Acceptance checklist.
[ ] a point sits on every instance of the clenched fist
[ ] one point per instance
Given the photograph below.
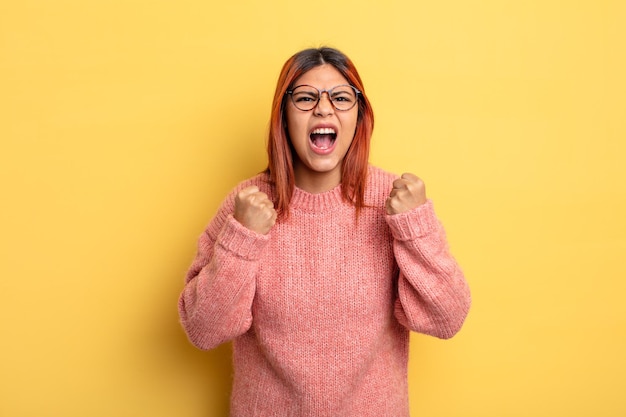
(407, 193)
(254, 210)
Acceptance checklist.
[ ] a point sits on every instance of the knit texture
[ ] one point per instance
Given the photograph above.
(319, 310)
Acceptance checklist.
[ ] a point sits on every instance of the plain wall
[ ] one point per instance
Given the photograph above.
(124, 123)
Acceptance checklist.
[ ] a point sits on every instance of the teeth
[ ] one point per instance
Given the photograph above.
(324, 131)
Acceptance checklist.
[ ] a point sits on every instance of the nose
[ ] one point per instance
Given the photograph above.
(324, 105)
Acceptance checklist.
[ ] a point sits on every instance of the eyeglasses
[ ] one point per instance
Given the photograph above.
(306, 97)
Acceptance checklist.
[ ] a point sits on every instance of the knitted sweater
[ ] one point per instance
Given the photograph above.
(320, 308)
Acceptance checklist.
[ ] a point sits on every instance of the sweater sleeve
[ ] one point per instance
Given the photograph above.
(215, 304)
(433, 295)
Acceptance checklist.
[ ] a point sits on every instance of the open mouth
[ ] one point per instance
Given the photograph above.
(323, 138)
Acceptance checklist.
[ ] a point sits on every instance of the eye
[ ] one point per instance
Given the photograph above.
(343, 98)
(304, 97)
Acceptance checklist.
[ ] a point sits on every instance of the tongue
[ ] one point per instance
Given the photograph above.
(322, 141)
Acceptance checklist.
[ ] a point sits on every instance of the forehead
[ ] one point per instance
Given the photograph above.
(323, 77)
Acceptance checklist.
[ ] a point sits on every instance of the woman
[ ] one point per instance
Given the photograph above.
(319, 267)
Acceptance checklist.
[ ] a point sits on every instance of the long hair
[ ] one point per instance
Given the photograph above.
(279, 149)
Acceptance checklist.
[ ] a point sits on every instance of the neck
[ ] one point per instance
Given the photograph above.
(317, 182)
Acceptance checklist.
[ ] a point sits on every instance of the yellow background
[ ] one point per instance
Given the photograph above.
(123, 124)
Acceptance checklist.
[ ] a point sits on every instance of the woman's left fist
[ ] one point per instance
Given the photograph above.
(407, 193)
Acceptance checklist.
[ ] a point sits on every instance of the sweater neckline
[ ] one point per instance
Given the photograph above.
(315, 202)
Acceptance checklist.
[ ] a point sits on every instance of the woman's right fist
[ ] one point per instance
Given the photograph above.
(254, 210)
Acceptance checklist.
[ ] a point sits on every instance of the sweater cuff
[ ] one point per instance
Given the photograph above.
(414, 223)
(243, 242)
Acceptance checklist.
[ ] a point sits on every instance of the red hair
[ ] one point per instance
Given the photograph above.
(279, 149)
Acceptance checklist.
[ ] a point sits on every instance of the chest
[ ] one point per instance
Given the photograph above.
(323, 267)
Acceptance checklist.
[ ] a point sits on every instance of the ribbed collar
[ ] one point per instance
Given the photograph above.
(319, 202)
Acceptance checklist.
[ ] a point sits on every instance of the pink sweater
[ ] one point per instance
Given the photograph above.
(320, 308)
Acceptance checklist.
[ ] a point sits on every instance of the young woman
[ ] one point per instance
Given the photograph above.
(318, 268)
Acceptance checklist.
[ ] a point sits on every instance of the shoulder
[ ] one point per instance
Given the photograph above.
(378, 186)
(227, 206)
(378, 174)
(261, 180)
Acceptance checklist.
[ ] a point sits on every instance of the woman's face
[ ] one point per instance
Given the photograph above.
(321, 137)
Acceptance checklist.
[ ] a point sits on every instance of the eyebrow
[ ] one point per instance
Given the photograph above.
(348, 86)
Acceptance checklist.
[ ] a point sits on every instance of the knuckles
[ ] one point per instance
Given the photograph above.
(408, 191)
(254, 210)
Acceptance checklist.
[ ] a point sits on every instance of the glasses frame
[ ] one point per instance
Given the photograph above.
(357, 93)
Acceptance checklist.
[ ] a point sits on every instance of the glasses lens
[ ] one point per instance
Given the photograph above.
(343, 97)
(305, 97)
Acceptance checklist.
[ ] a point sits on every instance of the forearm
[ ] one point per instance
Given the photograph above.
(215, 305)
(433, 295)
